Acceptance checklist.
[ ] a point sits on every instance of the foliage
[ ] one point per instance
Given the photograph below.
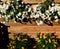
(20, 41)
(14, 10)
(46, 41)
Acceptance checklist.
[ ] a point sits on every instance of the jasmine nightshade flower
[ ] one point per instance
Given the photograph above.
(49, 18)
(29, 10)
(58, 13)
(37, 16)
(56, 17)
(39, 22)
(8, 16)
(19, 14)
(11, 12)
(53, 4)
(56, 20)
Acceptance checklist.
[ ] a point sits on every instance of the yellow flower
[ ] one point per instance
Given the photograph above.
(54, 45)
(18, 38)
(13, 46)
(25, 39)
(15, 37)
(22, 47)
(44, 36)
(53, 40)
(10, 44)
(34, 47)
(46, 42)
(40, 35)
(38, 40)
(49, 40)
(43, 46)
(53, 37)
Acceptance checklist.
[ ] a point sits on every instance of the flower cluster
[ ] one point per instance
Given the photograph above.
(17, 10)
(46, 41)
(43, 41)
(20, 41)
(14, 10)
(3, 7)
(47, 12)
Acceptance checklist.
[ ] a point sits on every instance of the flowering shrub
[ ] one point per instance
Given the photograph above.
(46, 41)
(20, 41)
(47, 12)
(14, 10)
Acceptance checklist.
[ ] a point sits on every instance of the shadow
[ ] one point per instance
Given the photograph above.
(4, 38)
(49, 23)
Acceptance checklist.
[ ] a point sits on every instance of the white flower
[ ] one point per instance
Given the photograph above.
(43, 16)
(37, 16)
(12, 1)
(47, 12)
(8, 16)
(19, 13)
(59, 13)
(39, 23)
(19, 5)
(22, 2)
(56, 17)
(16, 16)
(35, 8)
(16, 7)
(32, 15)
(53, 4)
(11, 12)
(17, 0)
(52, 9)
(56, 20)
(29, 9)
(6, 19)
(49, 18)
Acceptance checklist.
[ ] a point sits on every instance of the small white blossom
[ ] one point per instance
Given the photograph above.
(11, 12)
(8, 16)
(19, 5)
(16, 7)
(37, 16)
(22, 2)
(49, 18)
(56, 17)
(56, 20)
(29, 9)
(16, 16)
(43, 16)
(53, 4)
(52, 9)
(17, 0)
(39, 23)
(59, 13)
(19, 13)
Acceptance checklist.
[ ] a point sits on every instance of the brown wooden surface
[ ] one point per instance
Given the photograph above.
(34, 1)
(32, 29)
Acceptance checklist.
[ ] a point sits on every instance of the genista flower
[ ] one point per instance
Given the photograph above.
(47, 42)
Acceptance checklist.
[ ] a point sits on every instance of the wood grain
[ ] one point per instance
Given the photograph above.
(32, 29)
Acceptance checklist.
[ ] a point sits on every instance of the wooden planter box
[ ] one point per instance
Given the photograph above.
(33, 29)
